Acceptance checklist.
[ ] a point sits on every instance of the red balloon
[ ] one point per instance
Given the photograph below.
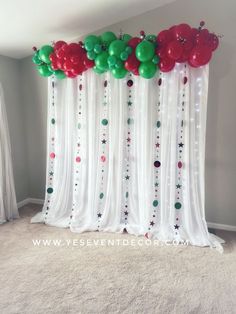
(174, 50)
(54, 65)
(135, 71)
(69, 74)
(202, 37)
(74, 48)
(77, 69)
(166, 64)
(194, 32)
(184, 57)
(161, 52)
(75, 59)
(59, 44)
(53, 57)
(133, 42)
(88, 63)
(182, 31)
(60, 64)
(132, 62)
(200, 55)
(60, 53)
(68, 65)
(164, 37)
(213, 42)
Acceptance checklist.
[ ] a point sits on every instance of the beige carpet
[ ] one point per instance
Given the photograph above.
(110, 279)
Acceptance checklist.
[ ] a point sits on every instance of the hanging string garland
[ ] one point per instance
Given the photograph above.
(143, 55)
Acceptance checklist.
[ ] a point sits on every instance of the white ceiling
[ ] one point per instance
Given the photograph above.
(27, 23)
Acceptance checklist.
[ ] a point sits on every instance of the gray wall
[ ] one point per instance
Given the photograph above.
(10, 79)
(221, 140)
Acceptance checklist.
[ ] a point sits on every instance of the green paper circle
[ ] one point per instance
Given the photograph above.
(105, 122)
(101, 195)
(158, 124)
(155, 203)
(53, 121)
(178, 205)
(50, 190)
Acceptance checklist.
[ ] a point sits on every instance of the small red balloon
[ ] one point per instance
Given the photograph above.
(58, 44)
(164, 37)
(161, 52)
(202, 37)
(166, 64)
(200, 55)
(132, 62)
(53, 57)
(174, 50)
(88, 63)
(133, 42)
(213, 42)
(182, 31)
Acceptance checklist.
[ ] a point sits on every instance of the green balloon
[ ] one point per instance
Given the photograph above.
(155, 59)
(126, 37)
(91, 55)
(97, 48)
(145, 51)
(116, 47)
(97, 70)
(108, 37)
(147, 69)
(129, 50)
(43, 70)
(59, 74)
(124, 55)
(151, 38)
(45, 52)
(101, 61)
(36, 59)
(90, 42)
(112, 60)
(119, 73)
(119, 64)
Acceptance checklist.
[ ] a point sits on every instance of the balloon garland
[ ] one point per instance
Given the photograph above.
(143, 55)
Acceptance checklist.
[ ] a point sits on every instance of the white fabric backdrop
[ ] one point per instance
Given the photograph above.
(129, 154)
(8, 207)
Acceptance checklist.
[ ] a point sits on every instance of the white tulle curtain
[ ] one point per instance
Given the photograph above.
(8, 207)
(129, 154)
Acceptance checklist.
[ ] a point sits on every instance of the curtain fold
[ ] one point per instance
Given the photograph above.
(129, 154)
(8, 206)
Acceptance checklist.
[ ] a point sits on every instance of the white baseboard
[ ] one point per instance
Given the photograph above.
(30, 200)
(212, 225)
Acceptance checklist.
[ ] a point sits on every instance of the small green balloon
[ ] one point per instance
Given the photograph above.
(119, 73)
(43, 70)
(151, 38)
(91, 55)
(45, 52)
(147, 69)
(124, 55)
(116, 47)
(112, 60)
(101, 61)
(36, 59)
(119, 64)
(90, 42)
(126, 37)
(155, 59)
(145, 51)
(97, 48)
(98, 71)
(59, 74)
(129, 50)
(50, 68)
(108, 37)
